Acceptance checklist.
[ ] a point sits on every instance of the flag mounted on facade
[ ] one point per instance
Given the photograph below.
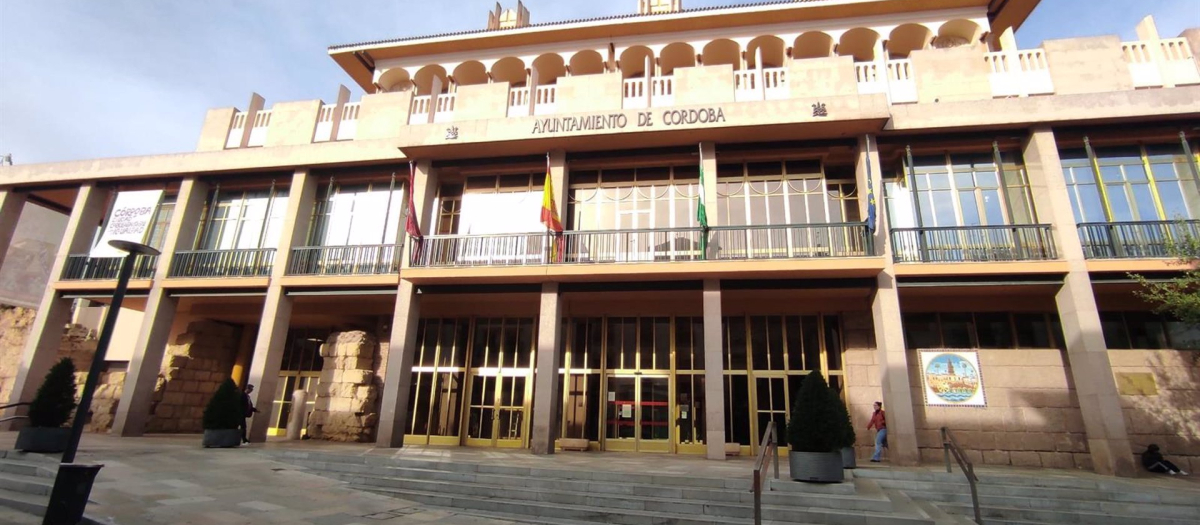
(870, 189)
(411, 227)
(701, 212)
(550, 215)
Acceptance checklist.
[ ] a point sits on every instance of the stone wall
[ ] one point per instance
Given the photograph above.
(194, 365)
(14, 330)
(107, 396)
(347, 407)
(1032, 418)
(1160, 397)
(863, 387)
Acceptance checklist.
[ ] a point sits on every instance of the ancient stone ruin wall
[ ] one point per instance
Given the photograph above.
(346, 408)
(195, 364)
(14, 330)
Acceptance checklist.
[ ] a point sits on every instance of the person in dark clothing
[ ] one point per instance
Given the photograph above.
(248, 410)
(1153, 460)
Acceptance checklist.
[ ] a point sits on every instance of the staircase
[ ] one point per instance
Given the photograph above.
(575, 497)
(1044, 497)
(25, 483)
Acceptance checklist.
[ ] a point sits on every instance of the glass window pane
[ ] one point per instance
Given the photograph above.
(994, 330)
(1116, 334)
(1032, 331)
(1118, 201)
(921, 331)
(1146, 210)
(956, 331)
(970, 208)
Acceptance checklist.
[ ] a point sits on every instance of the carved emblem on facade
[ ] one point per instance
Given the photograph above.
(452, 133)
(819, 110)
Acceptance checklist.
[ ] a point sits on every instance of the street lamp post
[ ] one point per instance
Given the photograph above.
(73, 483)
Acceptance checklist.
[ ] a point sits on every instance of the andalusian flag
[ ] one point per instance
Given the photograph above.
(550, 214)
(701, 213)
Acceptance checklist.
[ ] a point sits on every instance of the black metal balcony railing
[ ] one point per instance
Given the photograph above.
(621, 246)
(793, 241)
(223, 263)
(375, 259)
(1014, 242)
(84, 268)
(510, 249)
(1132, 240)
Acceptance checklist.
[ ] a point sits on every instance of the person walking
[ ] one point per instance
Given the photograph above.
(1154, 461)
(878, 422)
(248, 410)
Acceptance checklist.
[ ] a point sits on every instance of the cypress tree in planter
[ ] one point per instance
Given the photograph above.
(50, 409)
(222, 417)
(818, 431)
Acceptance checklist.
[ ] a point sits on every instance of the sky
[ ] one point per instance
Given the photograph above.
(82, 79)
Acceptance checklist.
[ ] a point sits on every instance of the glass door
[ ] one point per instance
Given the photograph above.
(500, 386)
(638, 414)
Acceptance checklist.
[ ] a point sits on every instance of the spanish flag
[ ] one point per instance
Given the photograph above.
(549, 210)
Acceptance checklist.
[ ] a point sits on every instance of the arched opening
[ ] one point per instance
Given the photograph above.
(676, 55)
(549, 67)
(395, 79)
(720, 52)
(587, 62)
(908, 38)
(424, 79)
(772, 51)
(470, 73)
(957, 33)
(509, 69)
(632, 62)
(859, 43)
(813, 44)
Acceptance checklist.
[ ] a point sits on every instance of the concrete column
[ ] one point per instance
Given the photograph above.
(45, 336)
(256, 105)
(141, 377)
(11, 204)
(402, 345)
(714, 372)
(708, 163)
(241, 364)
(343, 97)
(559, 177)
(547, 388)
(890, 347)
(277, 308)
(1087, 353)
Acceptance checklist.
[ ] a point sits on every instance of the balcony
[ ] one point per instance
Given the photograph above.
(627, 246)
(516, 249)
(635, 94)
(84, 268)
(1161, 63)
(1019, 73)
(223, 263)
(793, 241)
(1134, 240)
(378, 259)
(764, 84)
(1023, 242)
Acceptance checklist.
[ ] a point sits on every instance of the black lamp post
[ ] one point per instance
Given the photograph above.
(73, 484)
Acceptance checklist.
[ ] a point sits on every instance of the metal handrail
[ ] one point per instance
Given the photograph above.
(23, 403)
(12, 418)
(950, 447)
(1002, 242)
(769, 442)
(631, 245)
(364, 259)
(1134, 239)
(793, 241)
(84, 267)
(242, 262)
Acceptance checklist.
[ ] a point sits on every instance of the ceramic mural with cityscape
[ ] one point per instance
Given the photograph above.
(952, 378)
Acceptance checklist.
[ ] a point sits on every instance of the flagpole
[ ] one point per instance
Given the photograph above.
(701, 210)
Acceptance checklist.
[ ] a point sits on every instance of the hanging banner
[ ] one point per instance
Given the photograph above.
(952, 378)
(129, 221)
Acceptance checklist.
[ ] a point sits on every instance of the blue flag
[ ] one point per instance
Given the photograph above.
(870, 189)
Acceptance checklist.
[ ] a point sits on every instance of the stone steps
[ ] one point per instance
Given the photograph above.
(33, 485)
(1101, 506)
(25, 468)
(991, 512)
(1182, 497)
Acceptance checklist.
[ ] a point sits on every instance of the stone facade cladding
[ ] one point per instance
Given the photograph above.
(1170, 417)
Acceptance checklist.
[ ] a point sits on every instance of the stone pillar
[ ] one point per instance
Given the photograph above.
(1087, 353)
(11, 204)
(141, 377)
(708, 163)
(345, 405)
(393, 413)
(714, 372)
(277, 308)
(53, 313)
(547, 389)
(890, 348)
(241, 363)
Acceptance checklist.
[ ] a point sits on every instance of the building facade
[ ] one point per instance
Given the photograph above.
(883, 182)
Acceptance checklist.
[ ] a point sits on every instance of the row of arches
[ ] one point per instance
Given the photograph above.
(864, 44)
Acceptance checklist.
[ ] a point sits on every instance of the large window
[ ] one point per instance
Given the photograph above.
(633, 199)
(966, 189)
(1147, 331)
(780, 193)
(243, 220)
(491, 204)
(360, 214)
(1135, 183)
(982, 330)
(161, 221)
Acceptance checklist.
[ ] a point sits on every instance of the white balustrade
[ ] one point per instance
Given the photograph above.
(258, 133)
(418, 111)
(634, 93)
(1179, 66)
(869, 81)
(444, 112)
(348, 127)
(518, 102)
(324, 131)
(902, 86)
(746, 86)
(662, 91)
(544, 100)
(1019, 73)
(236, 130)
(775, 83)
(1142, 64)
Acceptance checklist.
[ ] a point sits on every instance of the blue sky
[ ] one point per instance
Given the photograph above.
(85, 79)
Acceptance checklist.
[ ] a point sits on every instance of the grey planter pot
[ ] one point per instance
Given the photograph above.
(43, 439)
(224, 438)
(818, 467)
(848, 459)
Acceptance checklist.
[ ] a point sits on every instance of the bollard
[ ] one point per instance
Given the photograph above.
(299, 416)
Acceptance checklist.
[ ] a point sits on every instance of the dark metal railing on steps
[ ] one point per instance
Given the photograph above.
(951, 448)
(770, 443)
(12, 418)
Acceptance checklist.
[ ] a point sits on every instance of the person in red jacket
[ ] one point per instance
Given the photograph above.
(878, 422)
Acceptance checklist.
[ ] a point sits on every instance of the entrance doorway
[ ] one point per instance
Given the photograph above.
(497, 414)
(638, 413)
